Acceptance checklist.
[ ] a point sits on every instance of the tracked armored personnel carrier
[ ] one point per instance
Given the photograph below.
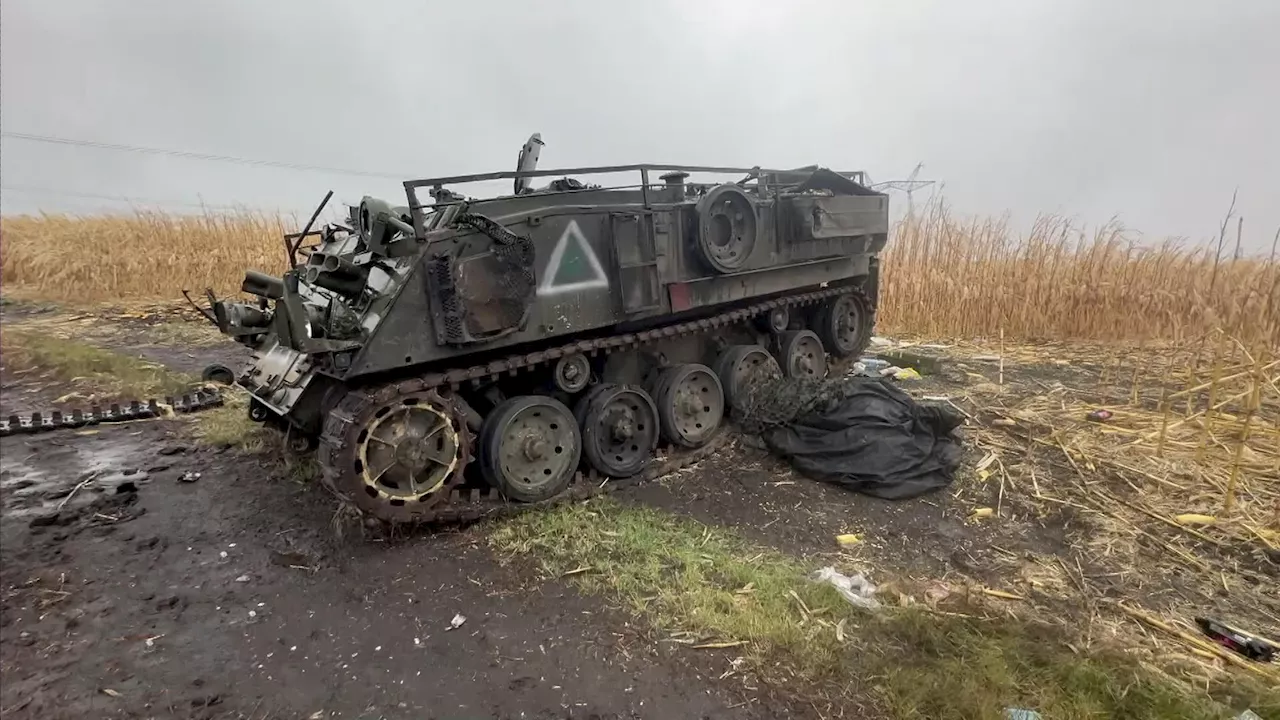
(456, 353)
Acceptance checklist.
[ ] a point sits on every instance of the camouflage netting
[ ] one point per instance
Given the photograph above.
(770, 402)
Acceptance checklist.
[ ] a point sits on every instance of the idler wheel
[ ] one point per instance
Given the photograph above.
(844, 324)
(220, 374)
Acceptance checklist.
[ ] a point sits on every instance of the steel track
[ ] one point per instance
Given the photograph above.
(39, 422)
(461, 506)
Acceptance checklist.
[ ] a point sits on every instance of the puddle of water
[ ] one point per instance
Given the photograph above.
(36, 485)
(112, 455)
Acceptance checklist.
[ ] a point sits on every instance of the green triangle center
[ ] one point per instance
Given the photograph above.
(575, 266)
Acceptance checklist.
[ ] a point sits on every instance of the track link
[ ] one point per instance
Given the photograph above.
(462, 506)
(38, 422)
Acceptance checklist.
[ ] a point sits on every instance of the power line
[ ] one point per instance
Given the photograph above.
(116, 198)
(198, 156)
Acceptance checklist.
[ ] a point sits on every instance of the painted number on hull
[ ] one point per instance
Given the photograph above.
(573, 265)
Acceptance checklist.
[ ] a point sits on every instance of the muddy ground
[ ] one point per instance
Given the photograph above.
(149, 591)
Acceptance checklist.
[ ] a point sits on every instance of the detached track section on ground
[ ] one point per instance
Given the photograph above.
(37, 422)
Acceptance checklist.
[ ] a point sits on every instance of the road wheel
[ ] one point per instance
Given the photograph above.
(801, 356)
(843, 324)
(690, 404)
(740, 367)
(530, 447)
(619, 429)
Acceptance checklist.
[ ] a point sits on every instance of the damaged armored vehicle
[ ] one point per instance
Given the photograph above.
(456, 351)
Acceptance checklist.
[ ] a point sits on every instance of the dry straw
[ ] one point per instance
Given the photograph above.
(943, 277)
(946, 277)
(148, 255)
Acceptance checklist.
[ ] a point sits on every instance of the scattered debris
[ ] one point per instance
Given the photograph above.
(457, 621)
(903, 374)
(848, 539)
(189, 477)
(1099, 415)
(1195, 519)
(74, 490)
(858, 590)
(290, 558)
(873, 366)
(1020, 714)
(243, 579)
(46, 520)
(718, 645)
(1247, 645)
(982, 512)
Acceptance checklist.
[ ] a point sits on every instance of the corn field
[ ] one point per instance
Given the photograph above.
(942, 277)
(148, 255)
(945, 277)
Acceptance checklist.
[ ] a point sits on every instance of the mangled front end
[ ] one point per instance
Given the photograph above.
(306, 326)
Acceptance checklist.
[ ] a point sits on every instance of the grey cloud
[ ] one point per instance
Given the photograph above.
(1154, 111)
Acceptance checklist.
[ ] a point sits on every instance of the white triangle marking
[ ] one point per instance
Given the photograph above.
(548, 286)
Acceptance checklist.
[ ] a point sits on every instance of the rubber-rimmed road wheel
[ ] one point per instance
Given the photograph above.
(619, 429)
(690, 404)
(844, 324)
(801, 355)
(530, 447)
(740, 367)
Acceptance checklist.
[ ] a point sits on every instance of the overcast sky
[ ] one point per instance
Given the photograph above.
(1154, 111)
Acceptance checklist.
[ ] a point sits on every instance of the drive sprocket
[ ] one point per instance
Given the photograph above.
(396, 451)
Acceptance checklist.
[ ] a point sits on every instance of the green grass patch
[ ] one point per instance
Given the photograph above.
(90, 369)
(688, 578)
(229, 426)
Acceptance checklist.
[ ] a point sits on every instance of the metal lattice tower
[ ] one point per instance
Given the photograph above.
(908, 186)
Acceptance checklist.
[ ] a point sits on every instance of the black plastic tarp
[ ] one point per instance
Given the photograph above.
(873, 438)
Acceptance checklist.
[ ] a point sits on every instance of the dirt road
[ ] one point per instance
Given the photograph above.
(230, 596)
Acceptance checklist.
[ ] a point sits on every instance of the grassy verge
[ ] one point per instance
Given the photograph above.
(88, 368)
(104, 375)
(687, 578)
